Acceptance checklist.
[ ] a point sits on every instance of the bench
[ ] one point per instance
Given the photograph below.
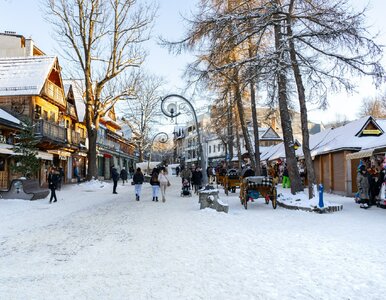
(24, 189)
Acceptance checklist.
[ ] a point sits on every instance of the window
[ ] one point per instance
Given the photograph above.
(38, 111)
(210, 149)
(45, 115)
(214, 148)
(219, 147)
(52, 116)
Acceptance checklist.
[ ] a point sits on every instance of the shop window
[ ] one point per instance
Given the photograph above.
(45, 115)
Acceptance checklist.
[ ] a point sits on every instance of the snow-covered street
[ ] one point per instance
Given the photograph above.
(96, 245)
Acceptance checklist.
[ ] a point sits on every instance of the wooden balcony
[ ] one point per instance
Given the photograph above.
(51, 131)
(54, 93)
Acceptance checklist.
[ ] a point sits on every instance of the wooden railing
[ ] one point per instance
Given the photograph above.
(50, 130)
(55, 93)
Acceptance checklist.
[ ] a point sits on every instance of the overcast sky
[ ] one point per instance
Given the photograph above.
(25, 17)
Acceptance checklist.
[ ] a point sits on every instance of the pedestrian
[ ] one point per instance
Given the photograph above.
(53, 179)
(123, 175)
(60, 178)
(363, 187)
(138, 180)
(286, 179)
(115, 177)
(177, 170)
(186, 174)
(164, 182)
(155, 185)
(197, 179)
(76, 174)
(209, 173)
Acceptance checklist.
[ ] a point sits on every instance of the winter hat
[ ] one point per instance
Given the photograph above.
(360, 165)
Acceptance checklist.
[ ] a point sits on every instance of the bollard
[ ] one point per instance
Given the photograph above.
(321, 188)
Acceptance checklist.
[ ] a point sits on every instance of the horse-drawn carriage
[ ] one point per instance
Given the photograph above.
(220, 176)
(254, 187)
(231, 181)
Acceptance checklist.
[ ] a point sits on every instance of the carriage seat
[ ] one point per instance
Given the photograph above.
(256, 181)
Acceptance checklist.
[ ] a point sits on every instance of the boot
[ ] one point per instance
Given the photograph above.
(153, 199)
(156, 199)
(137, 197)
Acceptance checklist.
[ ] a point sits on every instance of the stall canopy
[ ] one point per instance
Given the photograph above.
(360, 154)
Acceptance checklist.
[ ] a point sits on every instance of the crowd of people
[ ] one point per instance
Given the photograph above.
(369, 182)
(369, 179)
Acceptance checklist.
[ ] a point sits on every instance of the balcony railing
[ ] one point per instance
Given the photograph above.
(50, 130)
(54, 92)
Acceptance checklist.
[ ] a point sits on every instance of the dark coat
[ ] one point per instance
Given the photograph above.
(154, 180)
(123, 174)
(53, 180)
(197, 177)
(115, 174)
(138, 178)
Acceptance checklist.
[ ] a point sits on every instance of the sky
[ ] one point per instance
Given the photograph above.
(26, 17)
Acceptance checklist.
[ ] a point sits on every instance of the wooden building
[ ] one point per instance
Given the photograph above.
(31, 89)
(336, 152)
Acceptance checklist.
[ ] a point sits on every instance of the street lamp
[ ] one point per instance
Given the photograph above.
(171, 112)
(162, 140)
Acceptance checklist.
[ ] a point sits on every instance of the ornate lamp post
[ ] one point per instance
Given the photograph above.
(171, 112)
(162, 140)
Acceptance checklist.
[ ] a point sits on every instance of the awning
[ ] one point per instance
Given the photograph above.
(60, 152)
(360, 154)
(44, 155)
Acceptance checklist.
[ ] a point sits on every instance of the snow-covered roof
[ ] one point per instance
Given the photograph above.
(346, 137)
(8, 117)
(24, 75)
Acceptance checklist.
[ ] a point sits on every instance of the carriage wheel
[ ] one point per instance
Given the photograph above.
(274, 198)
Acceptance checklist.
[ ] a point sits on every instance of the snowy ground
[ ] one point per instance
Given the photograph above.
(96, 245)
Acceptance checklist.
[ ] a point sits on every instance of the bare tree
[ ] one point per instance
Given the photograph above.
(375, 107)
(143, 110)
(102, 39)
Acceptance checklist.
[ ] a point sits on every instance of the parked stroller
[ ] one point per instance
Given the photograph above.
(185, 192)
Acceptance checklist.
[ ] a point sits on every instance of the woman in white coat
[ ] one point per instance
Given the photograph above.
(164, 182)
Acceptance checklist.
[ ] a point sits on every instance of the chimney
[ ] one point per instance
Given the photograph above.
(29, 47)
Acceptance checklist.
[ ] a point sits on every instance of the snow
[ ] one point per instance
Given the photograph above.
(92, 244)
(301, 199)
(6, 116)
(24, 75)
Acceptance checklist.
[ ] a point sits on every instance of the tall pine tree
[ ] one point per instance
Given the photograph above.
(26, 161)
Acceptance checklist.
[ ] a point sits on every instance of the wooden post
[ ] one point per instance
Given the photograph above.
(331, 167)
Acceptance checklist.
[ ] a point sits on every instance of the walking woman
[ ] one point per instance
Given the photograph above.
(154, 182)
(164, 182)
(53, 179)
(138, 179)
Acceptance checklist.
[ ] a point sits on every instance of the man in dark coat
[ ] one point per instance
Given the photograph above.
(53, 179)
(123, 175)
(115, 177)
